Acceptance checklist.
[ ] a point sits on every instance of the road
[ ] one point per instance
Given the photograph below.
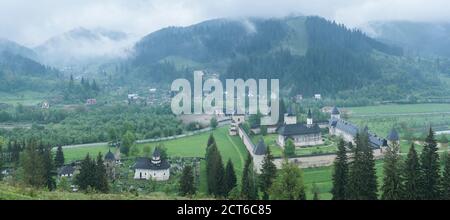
(220, 124)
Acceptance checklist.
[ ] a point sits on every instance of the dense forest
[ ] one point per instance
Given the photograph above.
(308, 54)
(88, 125)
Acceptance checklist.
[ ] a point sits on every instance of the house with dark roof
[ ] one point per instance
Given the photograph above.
(156, 168)
(66, 171)
(308, 134)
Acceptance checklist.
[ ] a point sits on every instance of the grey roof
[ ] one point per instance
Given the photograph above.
(260, 148)
(375, 141)
(156, 152)
(110, 156)
(309, 113)
(147, 164)
(335, 111)
(65, 170)
(298, 129)
(345, 126)
(393, 135)
(349, 128)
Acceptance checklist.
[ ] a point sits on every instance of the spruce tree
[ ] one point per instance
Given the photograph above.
(249, 190)
(430, 169)
(187, 184)
(86, 177)
(268, 174)
(392, 188)
(101, 178)
(340, 174)
(49, 168)
(446, 179)
(59, 157)
(215, 171)
(362, 173)
(412, 175)
(288, 185)
(230, 180)
(33, 166)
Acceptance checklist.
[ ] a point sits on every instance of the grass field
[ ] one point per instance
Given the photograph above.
(270, 140)
(322, 178)
(8, 192)
(192, 146)
(411, 119)
(25, 98)
(399, 109)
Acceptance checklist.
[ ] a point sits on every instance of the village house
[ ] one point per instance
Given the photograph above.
(66, 171)
(155, 168)
(45, 105)
(91, 101)
(308, 134)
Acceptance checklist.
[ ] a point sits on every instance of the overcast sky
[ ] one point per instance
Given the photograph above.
(32, 22)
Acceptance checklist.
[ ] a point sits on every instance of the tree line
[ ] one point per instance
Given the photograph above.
(417, 177)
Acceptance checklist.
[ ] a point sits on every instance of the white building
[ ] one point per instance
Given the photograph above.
(155, 168)
(308, 134)
(317, 96)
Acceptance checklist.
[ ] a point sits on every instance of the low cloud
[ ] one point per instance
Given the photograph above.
(33, 22)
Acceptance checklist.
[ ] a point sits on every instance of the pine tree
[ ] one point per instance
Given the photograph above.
(362, 173)
(86, 177)
(187, 184)
(94, 86)
(288, 185)
(49, 168)
(412, 175)
(249, 190)
(446, 179)
(430, 168)
(268, 174)
(33, 166)
(101, 178)
(392, 188)
(215, 171)
(340, 174)
(230, 180)
(59, 157)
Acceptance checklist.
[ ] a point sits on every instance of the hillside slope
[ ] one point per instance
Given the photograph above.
(308, 54)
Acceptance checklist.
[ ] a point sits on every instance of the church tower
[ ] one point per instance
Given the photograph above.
(309, 120)
(335, 114)
(290, 118)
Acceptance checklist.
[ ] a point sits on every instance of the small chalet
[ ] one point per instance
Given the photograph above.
(66, 171)
(154, 168)
(91, 101)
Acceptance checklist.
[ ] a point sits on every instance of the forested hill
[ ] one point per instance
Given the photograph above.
(308, 54)
(19, 73)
